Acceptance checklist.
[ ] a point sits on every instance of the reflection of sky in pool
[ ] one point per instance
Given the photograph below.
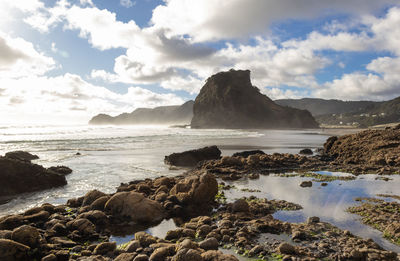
(328, 173)
(329, 203)
(158, 231)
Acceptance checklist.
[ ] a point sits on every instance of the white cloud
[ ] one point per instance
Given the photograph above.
(69, 95)
(269, 65)
(386, 30)
(382, 82)
(187, 83)
(22, 5)
(276, 93)
(53, 47)
(86, 2)
(213, 19)
(342, 41)
(19, 58)
(127, 3)
(174, 50)
(44, 19)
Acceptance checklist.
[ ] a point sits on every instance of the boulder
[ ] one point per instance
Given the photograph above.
(229, 100)
(141, 257)
(63, 170)
(286, 248)
(11, 250)
(209, 244)
(306, 152)
(5, 234)
(83, 225)
(104, 248)
(132, 246)
(99, 203)
(17, 176)
(186, 254)
(161, 253)
(313, 220)
(144, 239)
(214, 255)
(306, 184)
(192, 157)
(21, 155)
(135, 207)
(11, 222)
(125, 257)
(26, 235)
(91, 196)
(196, 189)
(247, 153)
(240, 205)
(95, 216)
(50, 257)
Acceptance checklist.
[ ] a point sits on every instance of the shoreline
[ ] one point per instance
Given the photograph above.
(205, 221)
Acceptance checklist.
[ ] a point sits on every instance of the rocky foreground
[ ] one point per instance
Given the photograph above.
(206, 222)
(81, 229)
(382, 215)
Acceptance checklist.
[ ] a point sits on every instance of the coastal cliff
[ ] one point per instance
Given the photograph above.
(180, 114)
(229, 100)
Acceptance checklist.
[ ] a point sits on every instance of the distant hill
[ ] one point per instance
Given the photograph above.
(171, 115)
(376, 114)
(229, 100)
(319, 107)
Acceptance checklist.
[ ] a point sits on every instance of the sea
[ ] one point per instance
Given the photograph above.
(103, 157)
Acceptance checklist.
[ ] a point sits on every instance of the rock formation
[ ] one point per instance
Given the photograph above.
(136, 207)
(181, 114)
(370, 147)
(21, 155)
(192, 157)
(19, 176)
(229, 100)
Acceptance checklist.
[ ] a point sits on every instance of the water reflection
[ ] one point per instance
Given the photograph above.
(329, 203)
(159, 231)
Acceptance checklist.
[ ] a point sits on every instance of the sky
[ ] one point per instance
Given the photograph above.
(66, 61)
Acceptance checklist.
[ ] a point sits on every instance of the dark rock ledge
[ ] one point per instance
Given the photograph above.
(18, 175)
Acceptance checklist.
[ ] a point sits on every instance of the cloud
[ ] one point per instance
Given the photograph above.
(19, 58)
(174, 50)
(9, 55)
(386, 30)
(127, 3)
(213, 20)
(381, 82)
(276, 93)
(270, 66)
(54, 49)
(158, 56)
(70, 95)
(86, 2)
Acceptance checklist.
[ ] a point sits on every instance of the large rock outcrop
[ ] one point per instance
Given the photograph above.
(19, 176)
(191, 157)
(229, 100)
(180, 114)
(370, 147)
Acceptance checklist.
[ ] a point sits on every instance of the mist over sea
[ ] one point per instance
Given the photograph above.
(110, 155)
